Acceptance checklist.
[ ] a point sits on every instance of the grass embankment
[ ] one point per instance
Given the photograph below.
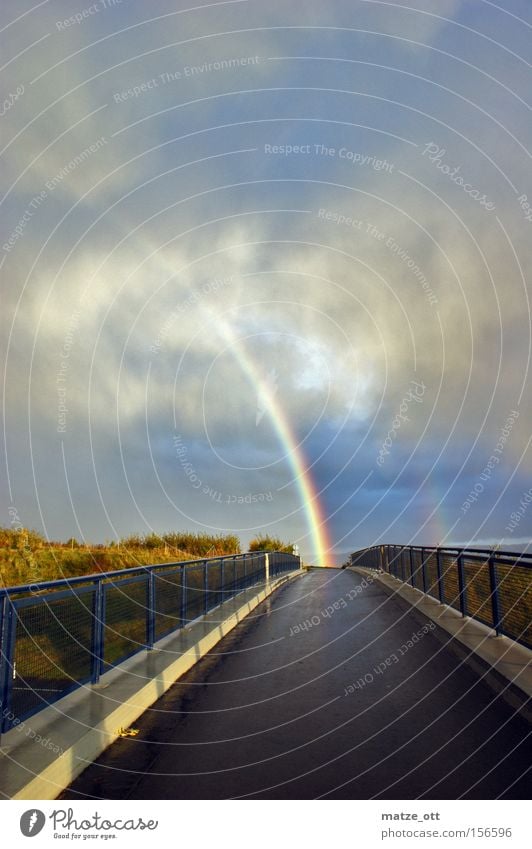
(26, 557)
(53, 641)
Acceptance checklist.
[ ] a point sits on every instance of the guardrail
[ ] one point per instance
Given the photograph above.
(57, 636)
(492, 586)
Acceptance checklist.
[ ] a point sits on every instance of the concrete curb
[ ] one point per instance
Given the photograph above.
(83, 724)
(506, 666)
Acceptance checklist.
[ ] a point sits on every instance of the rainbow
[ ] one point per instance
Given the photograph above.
(315, 517)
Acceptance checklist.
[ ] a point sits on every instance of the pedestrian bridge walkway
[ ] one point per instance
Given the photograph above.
(336, 687)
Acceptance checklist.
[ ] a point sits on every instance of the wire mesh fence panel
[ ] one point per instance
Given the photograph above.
(478, 590)
(465, 580)
(260, 568)
(399, 564)
(230, 571)
(395, 562)
(52, 651)
(417, 567)
(195, 606)
(275, 561)
(240, 574)
(288, 563)
(257, 568)
(66, 633)
(125, 605)
(449, 574)
(214, 583)
(361, 558)
(431, 573)
(168, 601)
(404, 571)
(515, 601)
(249, 570)
(405, 564)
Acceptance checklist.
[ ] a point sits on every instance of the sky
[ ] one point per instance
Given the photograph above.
(265, 269)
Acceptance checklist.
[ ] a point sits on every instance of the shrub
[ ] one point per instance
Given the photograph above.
(266, 543)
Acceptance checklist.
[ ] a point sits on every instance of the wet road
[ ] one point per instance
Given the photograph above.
(323, 692)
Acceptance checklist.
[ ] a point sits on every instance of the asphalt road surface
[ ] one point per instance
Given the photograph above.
(324, 691)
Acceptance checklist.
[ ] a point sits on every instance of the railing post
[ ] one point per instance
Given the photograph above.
(461, 585)
(412, 581)
(97, 648)
(266, 567)
(3, 662)
(150, 611)
(7, 637)
(423, 570)
(222, 576)
(441, 594)
(495, 601)
(183, 595)
(205, 587)
(245, 570)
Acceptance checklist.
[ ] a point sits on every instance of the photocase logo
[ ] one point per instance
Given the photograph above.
(265, 395)
(32, 822)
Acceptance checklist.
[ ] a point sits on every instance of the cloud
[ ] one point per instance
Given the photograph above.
(167, 298)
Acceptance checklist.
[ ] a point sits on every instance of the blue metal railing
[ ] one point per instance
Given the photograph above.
(56, 636)
(492, 586)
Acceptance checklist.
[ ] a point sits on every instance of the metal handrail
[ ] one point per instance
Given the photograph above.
(37, 586)
(494, 598)
(70, 631)
(458, 549)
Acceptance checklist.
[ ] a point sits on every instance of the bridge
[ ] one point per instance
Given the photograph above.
(405, 675)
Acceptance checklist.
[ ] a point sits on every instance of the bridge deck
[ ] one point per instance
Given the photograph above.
(283, 711)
